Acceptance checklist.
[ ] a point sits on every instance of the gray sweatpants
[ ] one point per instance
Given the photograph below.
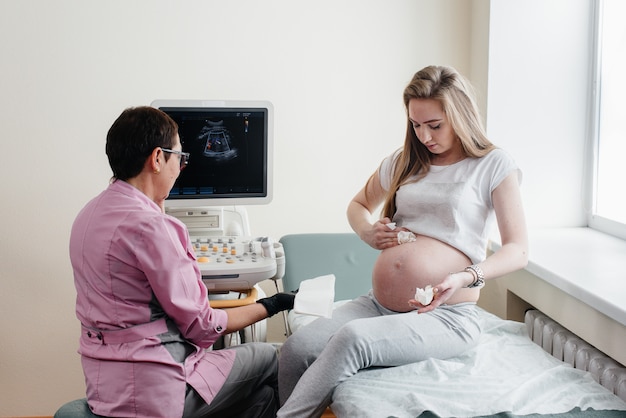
(250, 391)
(362, 334)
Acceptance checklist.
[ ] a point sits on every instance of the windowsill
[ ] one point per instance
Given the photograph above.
(586, 264)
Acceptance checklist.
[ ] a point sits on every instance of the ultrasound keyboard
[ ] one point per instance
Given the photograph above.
(236, 262)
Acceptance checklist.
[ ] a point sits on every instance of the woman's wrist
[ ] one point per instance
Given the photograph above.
(478, 276)
(465, 278)
(468, 278)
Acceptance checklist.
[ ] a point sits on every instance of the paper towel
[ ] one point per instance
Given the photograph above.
(316, 296)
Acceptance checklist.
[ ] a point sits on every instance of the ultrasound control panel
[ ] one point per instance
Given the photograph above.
(237, 262)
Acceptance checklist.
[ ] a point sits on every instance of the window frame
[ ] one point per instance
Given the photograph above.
(595, 221)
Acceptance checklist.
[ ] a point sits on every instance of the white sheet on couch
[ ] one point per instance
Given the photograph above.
(505, 372)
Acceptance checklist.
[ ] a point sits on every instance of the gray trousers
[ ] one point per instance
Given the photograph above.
(250, 391)
(362, 334)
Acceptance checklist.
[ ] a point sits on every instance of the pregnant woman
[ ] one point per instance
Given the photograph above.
(440, 194)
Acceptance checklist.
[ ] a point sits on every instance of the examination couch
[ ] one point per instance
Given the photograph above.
(508, 374)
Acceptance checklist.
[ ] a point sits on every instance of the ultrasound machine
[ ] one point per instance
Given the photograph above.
(231, 147)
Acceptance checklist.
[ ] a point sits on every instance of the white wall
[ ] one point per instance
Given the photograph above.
(334, 70)
(539, 65)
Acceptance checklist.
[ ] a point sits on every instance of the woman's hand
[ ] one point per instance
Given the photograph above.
(381, 235)
(444, 290)
(360, 210)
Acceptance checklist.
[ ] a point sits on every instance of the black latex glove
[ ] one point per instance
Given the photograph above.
(277, 303)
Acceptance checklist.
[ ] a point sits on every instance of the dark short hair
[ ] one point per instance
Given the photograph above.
(134, 135)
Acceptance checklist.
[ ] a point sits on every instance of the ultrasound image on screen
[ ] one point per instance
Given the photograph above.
(228, 150)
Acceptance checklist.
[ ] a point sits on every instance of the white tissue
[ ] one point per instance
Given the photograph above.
(316, 296)
(403, 236)
(425, 295)
(406, 236)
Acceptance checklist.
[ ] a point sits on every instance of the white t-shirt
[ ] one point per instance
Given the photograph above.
(452, 203)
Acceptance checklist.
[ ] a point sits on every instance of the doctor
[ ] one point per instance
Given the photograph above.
(144, 310)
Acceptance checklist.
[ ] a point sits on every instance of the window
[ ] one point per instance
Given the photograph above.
(608, 208)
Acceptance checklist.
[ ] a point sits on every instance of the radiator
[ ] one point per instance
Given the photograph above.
(566, 346)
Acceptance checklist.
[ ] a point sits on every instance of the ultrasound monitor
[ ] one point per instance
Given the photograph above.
(231, 147)
(231, 152)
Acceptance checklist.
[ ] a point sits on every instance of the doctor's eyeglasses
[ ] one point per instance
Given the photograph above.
(183, 156)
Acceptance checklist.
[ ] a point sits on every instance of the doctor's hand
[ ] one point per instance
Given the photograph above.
(277, 303)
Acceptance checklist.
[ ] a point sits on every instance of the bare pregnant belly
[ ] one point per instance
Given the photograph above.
(401, 269)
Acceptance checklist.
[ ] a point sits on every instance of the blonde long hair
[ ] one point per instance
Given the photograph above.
(456, 96)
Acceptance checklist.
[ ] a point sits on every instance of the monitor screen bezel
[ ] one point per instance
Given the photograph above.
(235, 200)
